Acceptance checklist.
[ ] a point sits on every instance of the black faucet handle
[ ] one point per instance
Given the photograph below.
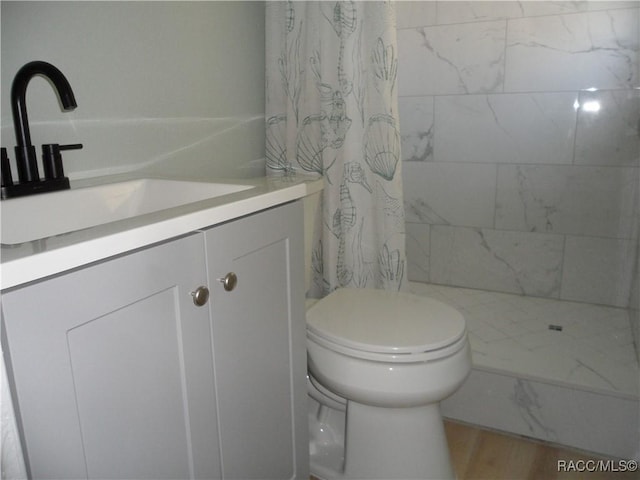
(71, 146)
(52, 159)
(5, 169)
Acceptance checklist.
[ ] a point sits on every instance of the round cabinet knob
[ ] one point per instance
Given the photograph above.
(229, 281)
(200, 296)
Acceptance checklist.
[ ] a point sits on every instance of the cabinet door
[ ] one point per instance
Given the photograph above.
(259, 337)
(112, 368)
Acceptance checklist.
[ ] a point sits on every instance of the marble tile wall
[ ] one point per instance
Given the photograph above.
(551, 412)
(520, 136)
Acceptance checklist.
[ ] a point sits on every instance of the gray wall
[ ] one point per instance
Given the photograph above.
(520, 139)
(176, 87)
(634, 301)
(634, 304)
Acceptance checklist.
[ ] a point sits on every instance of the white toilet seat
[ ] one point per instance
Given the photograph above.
(386, 326)
(390, 357)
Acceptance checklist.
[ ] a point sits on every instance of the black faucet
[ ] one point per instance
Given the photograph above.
(29, 181)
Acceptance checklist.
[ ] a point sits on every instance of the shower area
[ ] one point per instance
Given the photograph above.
(520, 140)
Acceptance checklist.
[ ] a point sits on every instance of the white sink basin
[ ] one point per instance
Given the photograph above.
(34, 217)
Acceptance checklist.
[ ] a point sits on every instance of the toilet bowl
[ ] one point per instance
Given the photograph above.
(379, 364)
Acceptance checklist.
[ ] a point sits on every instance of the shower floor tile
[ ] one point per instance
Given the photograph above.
(570, 343)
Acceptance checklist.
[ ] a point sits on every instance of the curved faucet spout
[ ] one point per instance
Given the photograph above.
(25, 152)
(19, 91)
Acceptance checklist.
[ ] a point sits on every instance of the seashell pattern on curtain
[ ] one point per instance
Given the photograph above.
(332, 110)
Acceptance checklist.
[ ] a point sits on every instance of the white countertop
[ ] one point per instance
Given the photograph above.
(31, 261)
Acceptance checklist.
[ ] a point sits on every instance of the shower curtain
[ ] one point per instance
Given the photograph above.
(331, 110)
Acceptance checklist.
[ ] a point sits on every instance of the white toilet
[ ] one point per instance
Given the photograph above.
(379, 364)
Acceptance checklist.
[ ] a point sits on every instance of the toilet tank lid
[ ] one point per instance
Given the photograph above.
(385, 322)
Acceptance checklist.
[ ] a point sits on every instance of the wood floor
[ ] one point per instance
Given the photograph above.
(479, 454)
(483, 454)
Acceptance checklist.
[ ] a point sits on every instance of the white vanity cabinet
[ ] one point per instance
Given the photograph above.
(117, 373)
(259, 344)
